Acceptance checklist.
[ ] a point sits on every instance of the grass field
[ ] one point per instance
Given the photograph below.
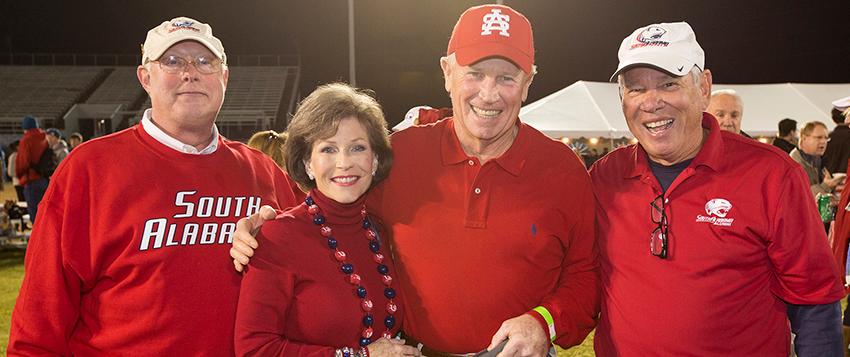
(11, 273)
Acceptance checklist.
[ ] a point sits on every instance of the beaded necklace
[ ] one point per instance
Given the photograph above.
(353, 278)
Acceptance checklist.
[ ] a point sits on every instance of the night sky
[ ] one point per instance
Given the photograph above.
(399, 42)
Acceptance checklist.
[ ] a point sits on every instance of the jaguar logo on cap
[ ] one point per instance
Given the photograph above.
(651, 33)
(183, 25)
(651, 36)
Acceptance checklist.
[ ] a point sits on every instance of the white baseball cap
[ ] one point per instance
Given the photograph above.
(669, 47)
(411, 118)
(841, 104)
(178, 29)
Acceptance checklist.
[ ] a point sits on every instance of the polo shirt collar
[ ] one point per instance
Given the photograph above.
(511, 161)
(710, 155)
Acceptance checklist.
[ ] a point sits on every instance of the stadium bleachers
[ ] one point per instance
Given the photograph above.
(258, 97)
(46, 92)
(121, 87)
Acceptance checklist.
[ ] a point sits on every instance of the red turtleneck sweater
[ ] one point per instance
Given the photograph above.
(294, 298)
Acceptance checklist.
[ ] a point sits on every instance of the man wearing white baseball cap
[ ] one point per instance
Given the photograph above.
(125, 258)
(491, 222)
(703, 253)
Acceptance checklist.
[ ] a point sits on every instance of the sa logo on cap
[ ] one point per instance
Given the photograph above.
(496, 20)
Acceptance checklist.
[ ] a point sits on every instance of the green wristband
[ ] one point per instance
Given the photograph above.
(549, 320)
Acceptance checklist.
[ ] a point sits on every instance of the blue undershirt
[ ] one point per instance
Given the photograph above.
(817, 327)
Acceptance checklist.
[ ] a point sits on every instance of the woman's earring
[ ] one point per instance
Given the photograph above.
(309, 172)
(374, 165)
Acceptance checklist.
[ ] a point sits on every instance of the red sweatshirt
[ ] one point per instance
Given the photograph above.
(30, 149)
(130, 254)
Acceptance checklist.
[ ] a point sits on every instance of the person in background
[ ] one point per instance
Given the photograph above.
(838, 148)
(809, 154)
(16, 183)
(31, 146)
(74, 140)
(54, 140)
(703, 253)
(126, 257)
(727, 107)
(786, 139)
(270, 143)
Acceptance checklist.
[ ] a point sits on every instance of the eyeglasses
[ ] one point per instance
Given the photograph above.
(658, 238)
(175, 64)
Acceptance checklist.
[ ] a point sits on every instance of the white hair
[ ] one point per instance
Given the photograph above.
(695, 73)
(729, 92)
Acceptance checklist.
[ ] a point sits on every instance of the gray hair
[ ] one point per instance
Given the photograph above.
(729, 92)
(695, 73)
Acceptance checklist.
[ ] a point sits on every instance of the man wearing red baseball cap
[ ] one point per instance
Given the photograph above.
(496, 241)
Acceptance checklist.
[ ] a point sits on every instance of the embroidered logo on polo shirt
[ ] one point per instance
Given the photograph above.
(716, 211)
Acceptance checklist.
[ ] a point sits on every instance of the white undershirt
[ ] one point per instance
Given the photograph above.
(168, 140)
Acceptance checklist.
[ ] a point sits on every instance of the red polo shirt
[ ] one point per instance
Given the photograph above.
(744, 239)
(479, 244)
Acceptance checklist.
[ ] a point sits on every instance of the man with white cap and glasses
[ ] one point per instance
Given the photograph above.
(703, 253)
(126, 256)
(488, 258)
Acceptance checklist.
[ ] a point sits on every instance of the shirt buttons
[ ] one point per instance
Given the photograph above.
(471, 163)
(477, 190)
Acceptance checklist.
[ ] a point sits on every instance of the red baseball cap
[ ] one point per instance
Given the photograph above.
(492, 31)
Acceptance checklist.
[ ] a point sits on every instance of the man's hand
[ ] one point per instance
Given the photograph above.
(525, 337)
(832, 182)
(243, 239)
(385, 347)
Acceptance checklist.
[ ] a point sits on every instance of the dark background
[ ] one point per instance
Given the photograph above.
(399, 42)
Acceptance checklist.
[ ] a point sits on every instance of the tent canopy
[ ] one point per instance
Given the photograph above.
(592, 109)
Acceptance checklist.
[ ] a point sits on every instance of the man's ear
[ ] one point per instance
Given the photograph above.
(226, 75)
(705, 88)
(446, 65)
(144, 76)
(527, 86)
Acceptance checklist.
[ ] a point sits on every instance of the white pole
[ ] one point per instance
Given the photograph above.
(352, 78)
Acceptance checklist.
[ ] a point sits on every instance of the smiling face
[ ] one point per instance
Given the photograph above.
(728, 110)
(664, 112)
(186, 99)
(486, 98)
(344, 163)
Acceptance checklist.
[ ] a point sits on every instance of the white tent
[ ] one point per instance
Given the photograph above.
(592, 109)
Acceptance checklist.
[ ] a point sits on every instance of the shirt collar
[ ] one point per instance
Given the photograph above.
(511, 161)
(709, 155)
(167, 140)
